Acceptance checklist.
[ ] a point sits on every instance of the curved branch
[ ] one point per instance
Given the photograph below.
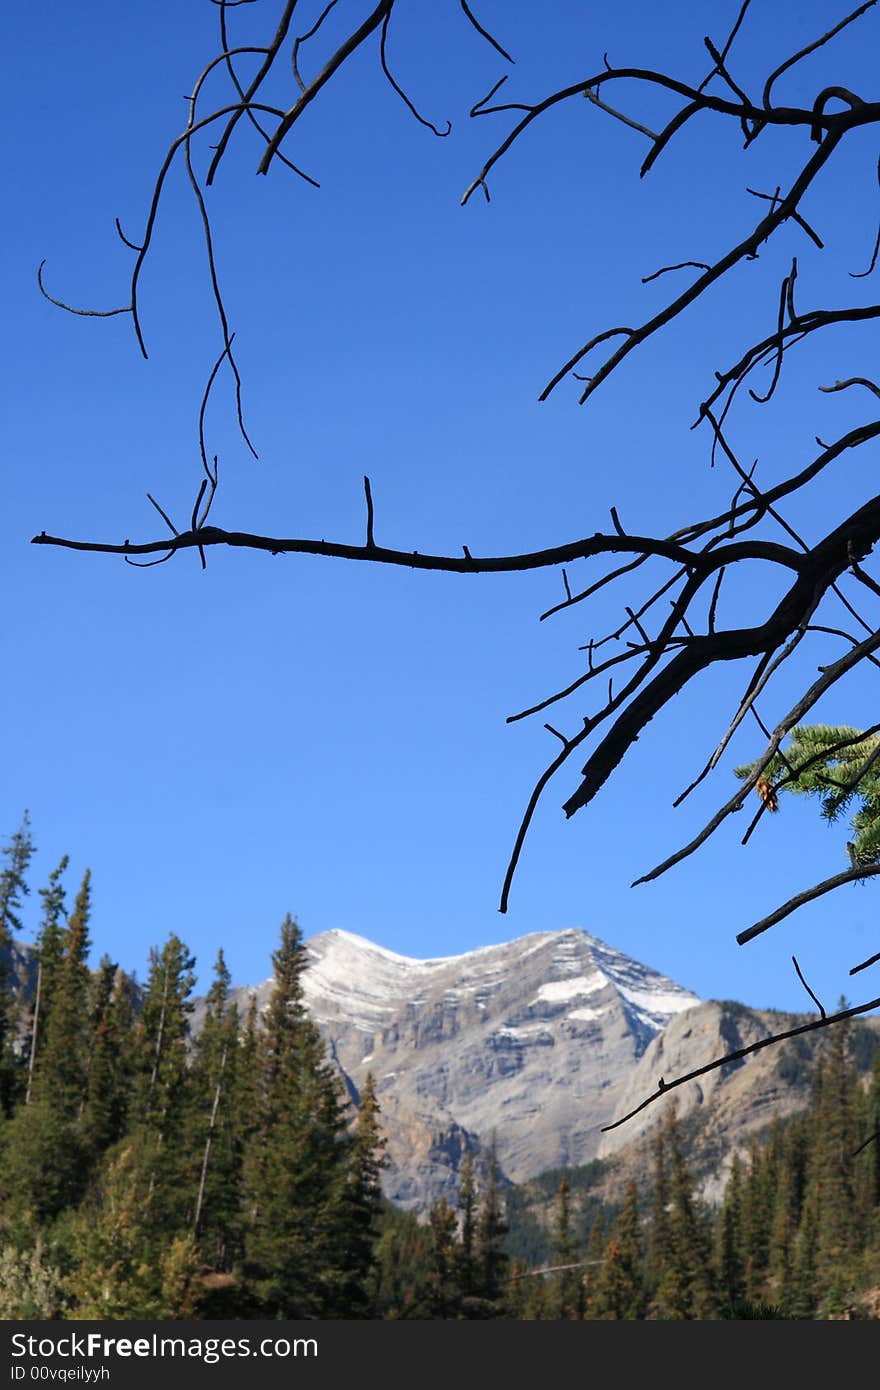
(810, 48)
(827, 1022)
(807, 896)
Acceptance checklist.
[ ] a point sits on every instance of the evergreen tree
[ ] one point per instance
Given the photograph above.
(801, 1292)
(620, 1285)
(467, 1208)
(49, 954)
(492, 1262)
(127, 1263)
(832, 1163)
(594, 1260)
(13, 887)
(295, 1163)
(786, 1216)
(46, 1146)
(568, 1282)
(359, 1207)
(729, 1262)
(839, 766)
(111, 1062)
(445, 1294)
(214, 1139)
(682, 1270)
(659, 1231)
(159, 1101)
(401, 1282)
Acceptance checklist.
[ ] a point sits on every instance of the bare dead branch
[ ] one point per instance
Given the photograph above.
(737, 1056)
(810, 48)
(368, 494)
(261, 131)
(664, 269)
(302, 38)
(618, 115)
(484, 32)
(807, 987)
(246, 101)
(807, 896)
(86, 313)
(345, 50)
(863, 965)
(853, 381)
(383, 58)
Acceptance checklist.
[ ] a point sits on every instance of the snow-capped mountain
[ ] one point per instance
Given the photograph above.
(532, 1041)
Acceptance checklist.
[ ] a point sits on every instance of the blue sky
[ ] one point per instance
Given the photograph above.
(314, 736)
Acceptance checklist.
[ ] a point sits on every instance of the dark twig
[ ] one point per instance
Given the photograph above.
(86, 313)
(810, 48)
(484, 32)
(122, 237)
(863, 965)
(302, 38)
(369, 499)
(807, 987)
(422, 120)
(664, 269)
(164, 515)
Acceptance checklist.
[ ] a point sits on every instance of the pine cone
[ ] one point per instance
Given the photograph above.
(767, 794)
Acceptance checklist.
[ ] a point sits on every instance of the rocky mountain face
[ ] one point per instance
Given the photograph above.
(536, 1045)
(532, 1042)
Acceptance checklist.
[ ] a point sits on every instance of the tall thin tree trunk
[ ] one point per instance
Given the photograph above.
(33, 1057)
(208, 1142)
(159, 1039)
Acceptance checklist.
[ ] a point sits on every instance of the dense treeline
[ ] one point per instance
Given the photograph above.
(147, 1173)
(797, 1234)
(144, 1174)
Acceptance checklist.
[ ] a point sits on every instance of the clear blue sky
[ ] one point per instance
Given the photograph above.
(316, 736)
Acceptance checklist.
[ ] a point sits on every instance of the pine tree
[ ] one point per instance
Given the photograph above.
(832, 1164)
(659, 1232)
(48, 1162)
(467, 1209)
(49, 952)
(792, 1183)
(801, 1297)
(13, 887)
(492, 1262)
(295, 1163)
(620, 1285)
(682, 1267)
(127, 1263)
(215, 1143)
(158, 1113)
(401, 1284)
(357, 1211)
(838, 765)
(594, 1260)
(565, 1250)
(445, 1294)
(729, 1262)
(759, 1197)
(111, 1062)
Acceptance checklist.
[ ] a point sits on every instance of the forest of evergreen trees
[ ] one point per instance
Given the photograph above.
(147, 1173)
